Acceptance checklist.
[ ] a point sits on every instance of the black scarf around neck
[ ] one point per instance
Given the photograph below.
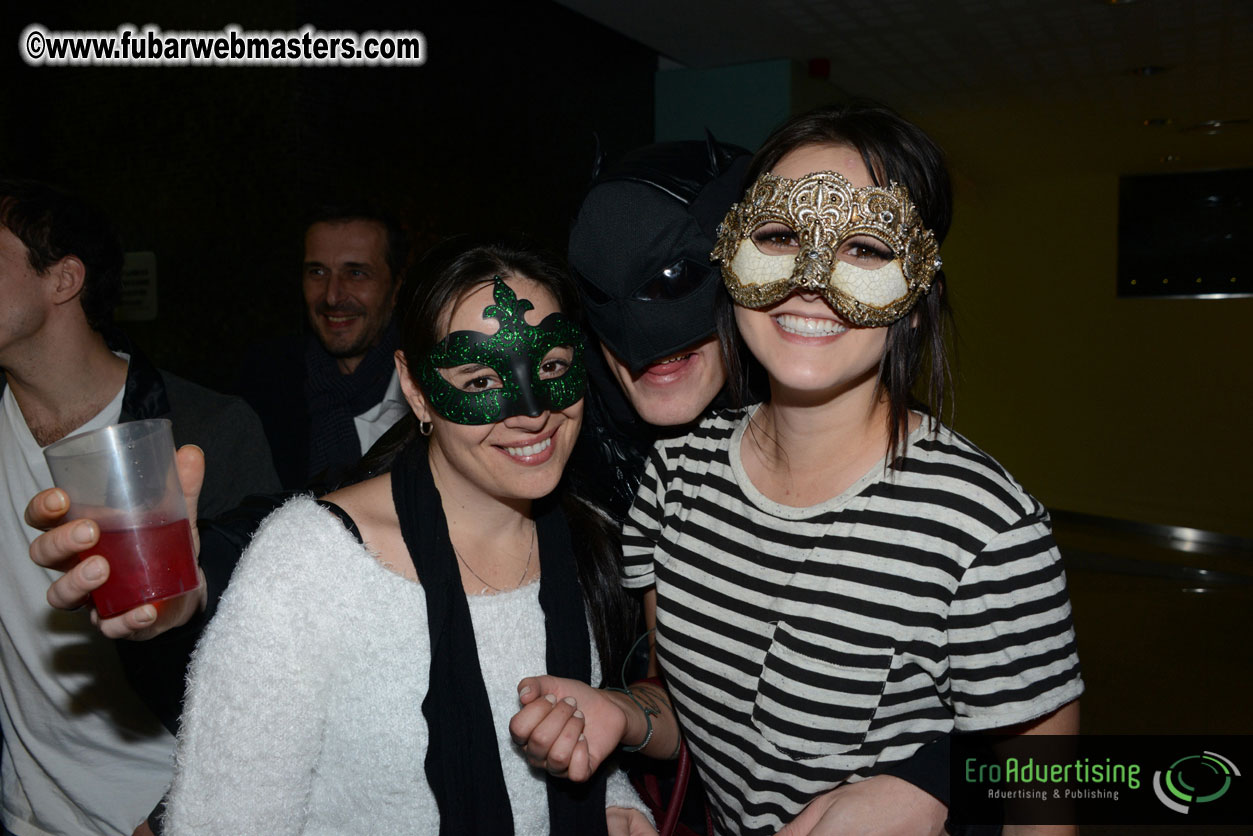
(335, 399)
(462, 760)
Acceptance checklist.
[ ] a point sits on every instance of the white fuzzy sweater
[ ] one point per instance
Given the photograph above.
(303, 711)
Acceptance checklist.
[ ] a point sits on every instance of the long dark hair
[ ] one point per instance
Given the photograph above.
(894, 151)
(443, 276)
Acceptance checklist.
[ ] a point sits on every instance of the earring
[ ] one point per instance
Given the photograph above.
(425, 427)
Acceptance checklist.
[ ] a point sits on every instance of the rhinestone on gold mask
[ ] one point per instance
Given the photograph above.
(825, 210)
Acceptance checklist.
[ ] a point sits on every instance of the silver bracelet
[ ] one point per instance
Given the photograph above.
(649, 713)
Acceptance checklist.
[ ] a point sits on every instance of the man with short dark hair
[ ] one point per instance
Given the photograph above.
(81, 753)
(326, 397)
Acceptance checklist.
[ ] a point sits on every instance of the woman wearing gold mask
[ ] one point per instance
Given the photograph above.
(838, 577)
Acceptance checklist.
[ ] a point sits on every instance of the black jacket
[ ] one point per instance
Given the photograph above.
(237, 464)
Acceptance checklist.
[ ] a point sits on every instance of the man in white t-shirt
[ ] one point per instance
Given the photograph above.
(82, 753)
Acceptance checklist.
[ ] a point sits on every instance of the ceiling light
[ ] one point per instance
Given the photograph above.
(1214, 126)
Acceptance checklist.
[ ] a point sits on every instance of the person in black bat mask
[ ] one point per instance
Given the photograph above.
(640, 248)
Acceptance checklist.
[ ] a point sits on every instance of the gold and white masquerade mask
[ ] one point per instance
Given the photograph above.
(825, 211)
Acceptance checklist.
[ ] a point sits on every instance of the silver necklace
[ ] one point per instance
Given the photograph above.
(530, 554)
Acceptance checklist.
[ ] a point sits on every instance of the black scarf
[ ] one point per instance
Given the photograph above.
(462, 760)
(335, 399)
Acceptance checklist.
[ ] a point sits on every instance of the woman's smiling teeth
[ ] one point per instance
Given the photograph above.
(530, 449)
(807, 327)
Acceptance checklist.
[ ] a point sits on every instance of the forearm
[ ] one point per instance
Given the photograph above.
(1063, 721)
(648, 705)
(157, 668)
(927, 769)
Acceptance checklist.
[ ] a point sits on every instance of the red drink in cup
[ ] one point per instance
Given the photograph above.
(146, 564)
(124, 478)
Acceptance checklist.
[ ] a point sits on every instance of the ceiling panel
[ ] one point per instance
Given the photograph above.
(1065, 66)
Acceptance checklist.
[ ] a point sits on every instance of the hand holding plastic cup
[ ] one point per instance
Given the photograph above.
(124, 478)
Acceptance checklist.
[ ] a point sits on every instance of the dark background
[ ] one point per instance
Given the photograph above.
(214, 168)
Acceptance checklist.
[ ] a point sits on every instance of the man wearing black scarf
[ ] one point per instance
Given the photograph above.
(324, 398)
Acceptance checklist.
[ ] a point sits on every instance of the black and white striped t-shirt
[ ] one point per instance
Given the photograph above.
(807, 646)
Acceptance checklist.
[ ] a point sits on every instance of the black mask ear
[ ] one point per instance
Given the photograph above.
(598, 161)
(710, 206)
(720, 156)
(640, 246)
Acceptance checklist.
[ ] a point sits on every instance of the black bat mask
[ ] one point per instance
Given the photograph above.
(640, 247)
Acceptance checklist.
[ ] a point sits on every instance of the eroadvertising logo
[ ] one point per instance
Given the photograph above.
(1194, 779)
(1100, 779)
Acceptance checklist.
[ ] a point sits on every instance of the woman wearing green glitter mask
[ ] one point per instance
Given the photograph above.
(362, 668)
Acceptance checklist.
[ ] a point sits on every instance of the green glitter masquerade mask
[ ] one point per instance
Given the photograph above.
(516, 353)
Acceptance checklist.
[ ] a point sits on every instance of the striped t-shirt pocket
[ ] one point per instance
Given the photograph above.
(809, 706)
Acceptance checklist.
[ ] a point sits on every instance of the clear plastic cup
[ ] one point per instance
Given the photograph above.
(124, 478)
